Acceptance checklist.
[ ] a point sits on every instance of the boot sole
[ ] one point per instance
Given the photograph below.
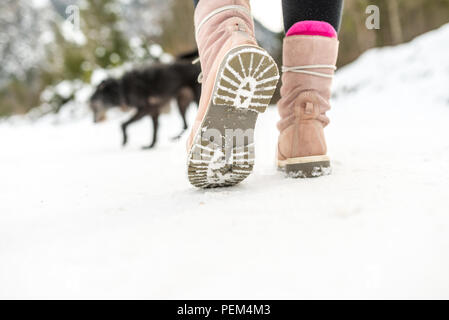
(222, 153)
(306, 167)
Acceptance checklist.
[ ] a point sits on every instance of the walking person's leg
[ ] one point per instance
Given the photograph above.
(328, 11)
(238, 81)
(309, 56)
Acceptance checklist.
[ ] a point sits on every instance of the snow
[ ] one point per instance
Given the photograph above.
(83, 218)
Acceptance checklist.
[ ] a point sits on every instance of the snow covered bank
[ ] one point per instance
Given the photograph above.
(81, 217)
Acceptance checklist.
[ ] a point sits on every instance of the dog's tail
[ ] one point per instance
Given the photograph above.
(189, 56)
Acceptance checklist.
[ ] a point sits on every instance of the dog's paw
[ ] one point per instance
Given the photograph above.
(151, 146)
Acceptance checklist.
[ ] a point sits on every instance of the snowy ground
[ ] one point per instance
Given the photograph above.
(80, 217)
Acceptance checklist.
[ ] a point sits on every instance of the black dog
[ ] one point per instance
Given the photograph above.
(149, 90)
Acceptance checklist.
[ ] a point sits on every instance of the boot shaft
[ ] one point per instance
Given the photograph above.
(308, 51)
(219, 24)
(308, 65)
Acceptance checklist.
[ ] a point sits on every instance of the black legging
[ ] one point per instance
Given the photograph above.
(319, 10)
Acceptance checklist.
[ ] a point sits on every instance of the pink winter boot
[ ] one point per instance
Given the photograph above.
(238, 81)
(308, 68)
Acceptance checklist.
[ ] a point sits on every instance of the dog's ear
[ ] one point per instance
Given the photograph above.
(102, 85)
(155, 100)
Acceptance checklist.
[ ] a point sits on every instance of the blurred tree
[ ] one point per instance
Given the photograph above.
(395, 21)
(98, 42)
(144, 18)
(39, 47)
(401, 21)
(22, 51)
(178, 29)
(21, 41)
(68, 52)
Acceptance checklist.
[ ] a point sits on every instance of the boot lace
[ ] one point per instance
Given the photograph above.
(305, 70)
(208, 17)
(219, 10)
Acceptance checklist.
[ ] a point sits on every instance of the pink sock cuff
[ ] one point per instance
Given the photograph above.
(312, 28)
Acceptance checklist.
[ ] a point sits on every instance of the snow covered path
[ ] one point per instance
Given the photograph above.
(80, 217)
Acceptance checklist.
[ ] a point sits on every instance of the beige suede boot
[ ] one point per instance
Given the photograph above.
(238, 81)
(308, 68)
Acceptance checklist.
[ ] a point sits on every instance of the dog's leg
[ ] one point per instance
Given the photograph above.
(197, 93)
(137, 116)
(184, 98)
(155, 120)
(182, 112)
